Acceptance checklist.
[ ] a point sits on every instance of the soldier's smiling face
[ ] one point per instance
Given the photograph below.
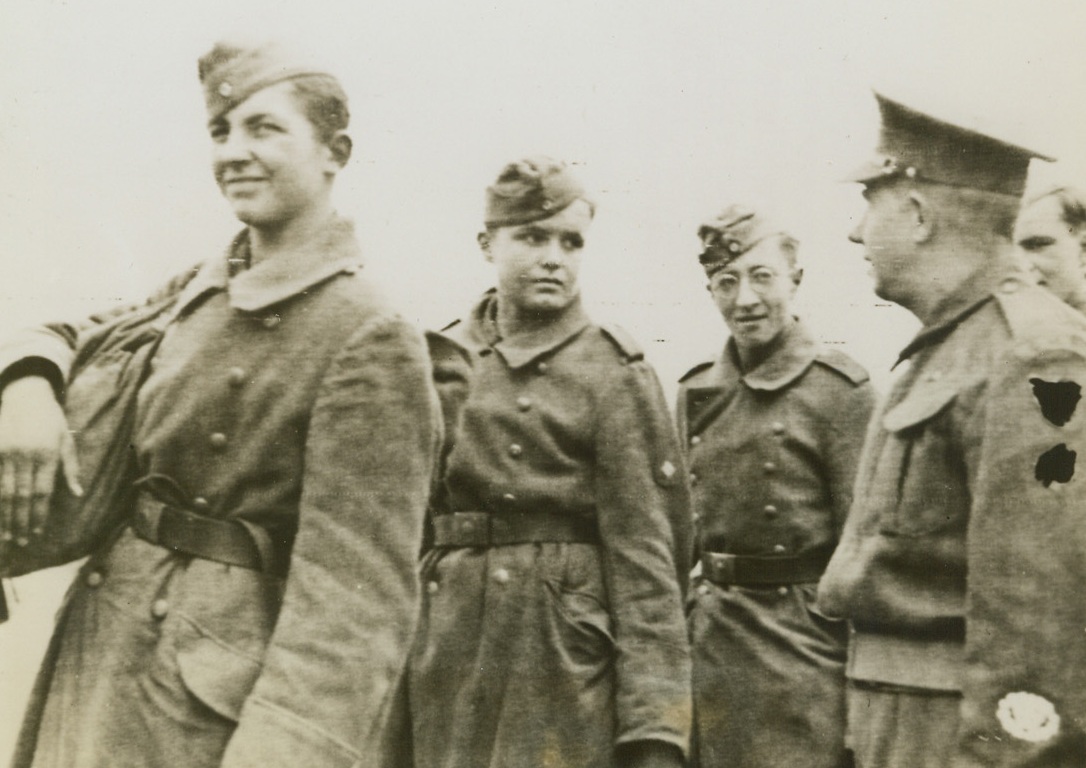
(538, 263)
(267, 159)
(1054, 248)
(754, 294)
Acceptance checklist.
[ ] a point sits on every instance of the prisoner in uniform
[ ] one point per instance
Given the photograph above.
(552, 630)
(772, 429)
(259, 607)
(961, 565)
(1051, 233)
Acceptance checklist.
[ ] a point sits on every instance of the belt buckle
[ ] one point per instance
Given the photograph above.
(472, 528)
(721, 567)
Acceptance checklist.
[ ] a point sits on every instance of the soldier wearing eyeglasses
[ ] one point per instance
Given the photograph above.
(772, 429)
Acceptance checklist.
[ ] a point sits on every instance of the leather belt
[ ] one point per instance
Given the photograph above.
(485, 529)
(745, 570)
(232, 542)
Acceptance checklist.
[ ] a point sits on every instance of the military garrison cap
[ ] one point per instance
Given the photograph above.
(916, 145)
(730, 234)
(231, 72)
(531, 189)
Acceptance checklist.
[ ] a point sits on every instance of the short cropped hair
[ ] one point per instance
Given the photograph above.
(1072, 202)
(323, 102)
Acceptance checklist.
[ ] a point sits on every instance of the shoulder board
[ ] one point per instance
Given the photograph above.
(843, 364)
(1037, 321)
(625, 343)
(696, 370)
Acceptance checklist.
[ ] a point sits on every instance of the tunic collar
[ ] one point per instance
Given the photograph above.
(793, 352)
(482, 332)
(275, 280)
(973, 294)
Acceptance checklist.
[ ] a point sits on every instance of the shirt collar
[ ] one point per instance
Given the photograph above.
(482, 332)
(973, 294)
(274, 280)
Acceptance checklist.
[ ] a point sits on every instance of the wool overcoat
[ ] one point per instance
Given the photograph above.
(291, 398)
(552, 653)
(772, 453)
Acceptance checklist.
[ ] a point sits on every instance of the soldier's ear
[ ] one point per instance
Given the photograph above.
(483, 239)
(922, 216)
(341, 147)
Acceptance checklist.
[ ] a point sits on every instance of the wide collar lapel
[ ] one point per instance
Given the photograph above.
(792, 354)
(482, 332)
(275, 280)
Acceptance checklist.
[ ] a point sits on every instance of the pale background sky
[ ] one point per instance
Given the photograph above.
(670, 109)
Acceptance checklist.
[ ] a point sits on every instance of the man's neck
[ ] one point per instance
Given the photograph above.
(524, 328)
(268, 242)
(951, 274)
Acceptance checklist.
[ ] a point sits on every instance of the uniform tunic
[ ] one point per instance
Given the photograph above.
(551, 654)
(772, 454)
(291, 398)
(962, 565)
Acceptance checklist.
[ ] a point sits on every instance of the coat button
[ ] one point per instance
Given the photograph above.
(201, 503)
(433, 587)
(770, 510)
(693, 479)
(508, 498)
(236, 377)
(159, 609)
(697, 516)
(217, 440)
(94, 579)
(777, 427)
(270, 321)
(515, 451)
(780, 549)
(524, 403)
(695, 440)
(782, 591)
(769, 467)
(542, 368)
(703, 589)
(501, 576)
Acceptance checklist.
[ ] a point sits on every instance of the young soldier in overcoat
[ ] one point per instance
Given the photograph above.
(258, 608)
(552, 630)
(961, 566)
(772, 430)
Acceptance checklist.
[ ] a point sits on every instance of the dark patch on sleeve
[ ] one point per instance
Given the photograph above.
(1056, 465)
(1058, 399)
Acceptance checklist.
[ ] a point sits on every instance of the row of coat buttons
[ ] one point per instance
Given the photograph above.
(704, 589)
(500, 575)
(236, 377)
(159, 608)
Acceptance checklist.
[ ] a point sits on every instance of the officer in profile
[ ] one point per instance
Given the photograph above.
(772, 430)
(1051, 233)
(961, 565)
(552, 628)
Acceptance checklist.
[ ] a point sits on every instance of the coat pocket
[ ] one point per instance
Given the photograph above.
(920, 470)
(219, 677)
(582, 620)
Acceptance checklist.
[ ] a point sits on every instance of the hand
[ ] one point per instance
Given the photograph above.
(650, 754)
(34, 442)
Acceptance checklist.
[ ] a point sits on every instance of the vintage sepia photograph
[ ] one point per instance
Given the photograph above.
(569, 384)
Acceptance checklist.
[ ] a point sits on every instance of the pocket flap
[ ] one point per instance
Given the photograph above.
(217, 676)
(919, 406)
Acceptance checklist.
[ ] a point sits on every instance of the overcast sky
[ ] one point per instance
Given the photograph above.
(670, 109)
